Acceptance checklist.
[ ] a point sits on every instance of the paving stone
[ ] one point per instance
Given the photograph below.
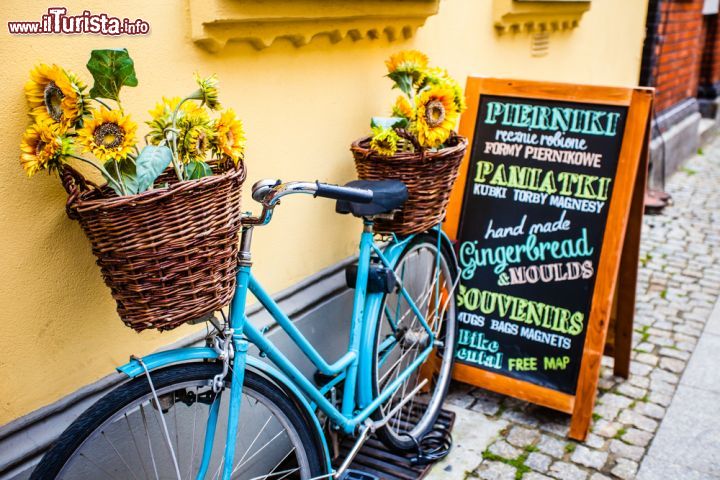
(660, 398)
(496, 471)
(664, 376)
(599, 476)
(551, 445)
(608, 412)
(674, 353)
(638, 381)
(640, 369)
(631, 391)
(625, 469)
(622, 449)
(606, 429)
(648, 358)
(650, 410)
(637, 437)
(503, 449)
(594, 441)
(538, 461)
(672, 364)
(567, 471)
(486, 406)
(535, 476)
(520, 417)
(522, 437)
(662, 387)
(589, 458)
(615, 400)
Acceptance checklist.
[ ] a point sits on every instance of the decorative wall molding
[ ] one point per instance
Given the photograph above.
(214, 23)
(538, 15)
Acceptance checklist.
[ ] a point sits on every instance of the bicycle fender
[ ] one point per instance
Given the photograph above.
(158, 360)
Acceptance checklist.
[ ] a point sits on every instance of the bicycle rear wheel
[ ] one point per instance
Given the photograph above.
(428, 274)
(122, 436)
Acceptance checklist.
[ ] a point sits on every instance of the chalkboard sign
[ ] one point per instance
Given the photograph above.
(538, 188)
(540, 214)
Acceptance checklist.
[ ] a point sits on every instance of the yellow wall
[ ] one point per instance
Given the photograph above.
(301, 106)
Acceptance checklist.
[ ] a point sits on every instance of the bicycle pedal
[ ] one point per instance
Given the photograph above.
(357, 475)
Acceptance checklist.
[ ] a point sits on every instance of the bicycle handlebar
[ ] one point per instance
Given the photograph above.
(269, 192)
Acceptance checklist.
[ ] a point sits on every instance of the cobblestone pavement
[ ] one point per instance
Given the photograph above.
(679, 283)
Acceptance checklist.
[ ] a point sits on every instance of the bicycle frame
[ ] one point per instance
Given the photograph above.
(353, 367)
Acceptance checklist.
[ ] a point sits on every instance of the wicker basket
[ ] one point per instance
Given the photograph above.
(169, 255)
(429, 177)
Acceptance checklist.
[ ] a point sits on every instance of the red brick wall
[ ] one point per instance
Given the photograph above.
(680, 52)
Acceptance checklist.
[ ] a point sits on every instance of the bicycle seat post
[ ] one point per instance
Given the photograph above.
(245, 257)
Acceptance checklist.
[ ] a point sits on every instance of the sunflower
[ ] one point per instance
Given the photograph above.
(402, 108)
(108, 134)
(57, 95)
(440, 76)
(195, 143)
(42, 147)
(408, 61)
(229, 137)
(407, 69)
(208, 92)
(162, 116)
(436, 115)
(384, 141)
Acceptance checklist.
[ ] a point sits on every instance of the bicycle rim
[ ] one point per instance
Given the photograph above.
(131, 442)
(400, 338)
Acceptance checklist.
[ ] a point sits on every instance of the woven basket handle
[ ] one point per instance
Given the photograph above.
(402, 133)
(74, 184)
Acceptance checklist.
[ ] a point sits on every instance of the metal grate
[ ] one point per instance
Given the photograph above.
(374, 461)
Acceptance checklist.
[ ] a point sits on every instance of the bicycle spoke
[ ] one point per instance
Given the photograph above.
(255, 439)
(192, 451)
(260, 450)
(147, 434)
(137, 447)
(122, 459)
(108, 474)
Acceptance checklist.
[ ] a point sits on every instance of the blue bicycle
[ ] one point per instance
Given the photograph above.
(217, 412)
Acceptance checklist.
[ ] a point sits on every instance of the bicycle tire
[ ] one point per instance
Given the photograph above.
(394, 435)
(111, 406)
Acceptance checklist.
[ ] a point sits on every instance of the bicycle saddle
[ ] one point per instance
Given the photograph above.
(387, 196)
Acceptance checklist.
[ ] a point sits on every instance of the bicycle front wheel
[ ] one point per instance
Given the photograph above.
(428, 274)
(123, 436)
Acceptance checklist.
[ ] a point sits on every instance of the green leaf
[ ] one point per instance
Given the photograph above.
(127, 176)
(388, 122)
(403, 81)
(152, 161)
(111, 69)
(197, 170)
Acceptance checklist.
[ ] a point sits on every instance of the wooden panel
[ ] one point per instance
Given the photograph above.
(605, 284)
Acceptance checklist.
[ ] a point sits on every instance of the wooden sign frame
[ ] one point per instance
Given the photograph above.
(627, 196)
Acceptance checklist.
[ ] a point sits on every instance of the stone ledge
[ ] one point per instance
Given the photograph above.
(537, 15)
(260, 23)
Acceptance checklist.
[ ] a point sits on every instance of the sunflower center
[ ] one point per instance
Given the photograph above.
(434, 113)
(201, 143)
(109, 135)
(53, 96)
(40, 147)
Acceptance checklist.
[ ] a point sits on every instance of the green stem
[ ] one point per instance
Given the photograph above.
(98, 167)
(175, 162)
(102, 103)
(119, 177)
